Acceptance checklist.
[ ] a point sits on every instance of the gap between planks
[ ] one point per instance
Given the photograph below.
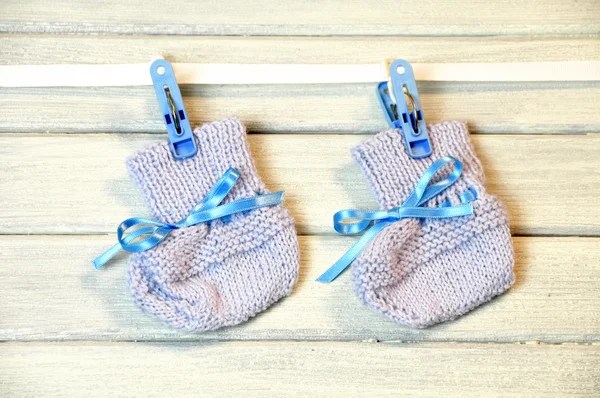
(502, 108)
(532, 107)
(334, 17)
(78, 183)
(297, 369)
(555, 298)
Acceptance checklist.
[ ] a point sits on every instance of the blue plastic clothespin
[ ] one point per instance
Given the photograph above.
(392, 96)
(170, 101)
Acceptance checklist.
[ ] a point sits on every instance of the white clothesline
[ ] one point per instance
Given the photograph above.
(88, 75)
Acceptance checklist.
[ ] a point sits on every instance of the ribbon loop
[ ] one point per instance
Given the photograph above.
(364, 219)
(352, 221)
(140, 234)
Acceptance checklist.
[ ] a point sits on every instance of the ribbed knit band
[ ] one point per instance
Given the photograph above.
(418, 280)
(172, 187)
(393, 174)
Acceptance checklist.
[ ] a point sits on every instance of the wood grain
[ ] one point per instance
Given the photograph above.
(78, 184)
(288, 369)
(490, 107)
(17, 49)
(52, 292)
(524, 108)
(314, 17)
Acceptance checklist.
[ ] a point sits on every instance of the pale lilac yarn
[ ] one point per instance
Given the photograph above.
(221, 273)
(420, 273)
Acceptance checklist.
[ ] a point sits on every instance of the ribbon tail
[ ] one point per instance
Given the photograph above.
(207, 210)
(344, 262)
(107, 255)
(124, 244)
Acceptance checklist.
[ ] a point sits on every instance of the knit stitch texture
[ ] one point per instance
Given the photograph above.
(422, 272)
(223, 272)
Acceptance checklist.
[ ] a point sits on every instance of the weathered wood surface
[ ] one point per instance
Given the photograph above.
(490, 107)
(70, 184)
(55, 294)
(19, 49)
(538, 143)
(514, 108)
(314, 17)
(289, 369)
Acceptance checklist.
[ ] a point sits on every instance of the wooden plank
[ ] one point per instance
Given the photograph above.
(500, 107)
(298, 369)
(331, 17)
(556, 298)
(524, 108)
(78, 183)
(18, 49)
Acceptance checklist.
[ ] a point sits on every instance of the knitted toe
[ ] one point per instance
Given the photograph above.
(422, 273)
(188, 252)
(222, 272)
(451, 284)
(228, 292)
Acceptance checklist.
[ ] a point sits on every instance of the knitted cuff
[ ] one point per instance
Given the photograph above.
(173, 187)
(393, 174)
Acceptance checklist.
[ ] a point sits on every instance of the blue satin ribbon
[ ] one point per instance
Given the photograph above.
(412, 208)
(207, 210)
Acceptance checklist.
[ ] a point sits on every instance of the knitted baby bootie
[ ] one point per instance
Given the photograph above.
(422, 272)
(220, 273)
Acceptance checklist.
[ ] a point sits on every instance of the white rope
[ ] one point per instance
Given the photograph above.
(191, 73)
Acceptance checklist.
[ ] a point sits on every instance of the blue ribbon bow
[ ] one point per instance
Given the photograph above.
(412, 208)
(207, 210)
